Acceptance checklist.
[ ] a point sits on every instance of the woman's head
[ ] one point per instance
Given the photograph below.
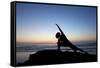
(57, 34)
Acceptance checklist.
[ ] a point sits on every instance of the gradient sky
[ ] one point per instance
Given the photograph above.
(35, 23)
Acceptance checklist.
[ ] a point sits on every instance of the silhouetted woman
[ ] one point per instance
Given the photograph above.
(59, 43)
(62, 42)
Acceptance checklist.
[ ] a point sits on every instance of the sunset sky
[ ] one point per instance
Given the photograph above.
(35, 23)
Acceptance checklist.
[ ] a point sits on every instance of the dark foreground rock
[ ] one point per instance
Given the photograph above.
(46, 57)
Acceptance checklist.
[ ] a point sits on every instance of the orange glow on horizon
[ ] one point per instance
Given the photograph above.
(49, 39)
(79, 38)
(37, 39)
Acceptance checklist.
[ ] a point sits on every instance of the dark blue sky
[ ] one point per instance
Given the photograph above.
(36, 22)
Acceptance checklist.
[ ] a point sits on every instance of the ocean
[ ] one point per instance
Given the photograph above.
(24, 50)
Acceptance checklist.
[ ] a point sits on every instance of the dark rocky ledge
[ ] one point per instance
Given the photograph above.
(46, 57)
